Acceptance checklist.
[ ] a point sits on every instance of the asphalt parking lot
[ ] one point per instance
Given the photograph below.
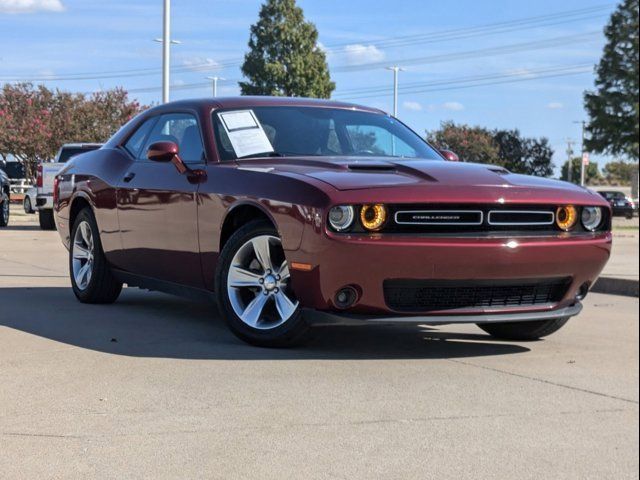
(156, 387)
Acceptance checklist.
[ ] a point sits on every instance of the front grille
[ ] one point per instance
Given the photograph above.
(433, 295)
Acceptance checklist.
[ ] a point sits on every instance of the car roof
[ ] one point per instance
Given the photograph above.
(262, 101)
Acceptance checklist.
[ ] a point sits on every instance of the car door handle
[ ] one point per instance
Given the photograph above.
(128, 177)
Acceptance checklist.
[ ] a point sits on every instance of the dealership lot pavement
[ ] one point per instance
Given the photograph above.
(155, 387)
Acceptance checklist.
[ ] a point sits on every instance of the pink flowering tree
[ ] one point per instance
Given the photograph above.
(35, 121)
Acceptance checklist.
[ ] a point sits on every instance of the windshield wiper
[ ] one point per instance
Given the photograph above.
(262, 154)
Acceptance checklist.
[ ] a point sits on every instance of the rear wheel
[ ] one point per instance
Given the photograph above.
(253, 289)
(524, 330)
(4, 209)
(27, 205)
(45, 218)
(91, 276)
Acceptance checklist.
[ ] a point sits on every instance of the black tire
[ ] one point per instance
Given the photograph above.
(628, 216)
(26, 204)
(292, 332)
(103, 286)
(4, 209)
(533, 330)
(45, 218)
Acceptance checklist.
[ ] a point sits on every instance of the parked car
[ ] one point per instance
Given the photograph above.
(44, 182)
(16, 173)
(29, 201)
(5, 197)
(292, 212)
(621, 205)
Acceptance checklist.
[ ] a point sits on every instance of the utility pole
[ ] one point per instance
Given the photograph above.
(215, 84)
(582, 165)
(570, 159)
(395, 69)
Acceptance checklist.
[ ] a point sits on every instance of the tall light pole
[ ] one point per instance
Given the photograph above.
(569, 160)
(395, 69)
(215, 84)
(166, 38)
(166, 46)
(582, 165)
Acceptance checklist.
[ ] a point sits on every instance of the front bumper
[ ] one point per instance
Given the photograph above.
(367, 261)
(330, 318)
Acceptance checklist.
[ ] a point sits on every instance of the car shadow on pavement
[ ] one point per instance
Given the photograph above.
(143, 324)
(19, 228)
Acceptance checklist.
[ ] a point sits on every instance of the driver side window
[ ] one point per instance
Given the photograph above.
(181, 129)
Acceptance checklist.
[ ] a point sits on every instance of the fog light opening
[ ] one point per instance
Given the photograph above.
(583, 291)
(346, 297)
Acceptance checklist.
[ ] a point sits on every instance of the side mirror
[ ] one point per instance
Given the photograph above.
(166, 152)
(449, 156)
(162, 151)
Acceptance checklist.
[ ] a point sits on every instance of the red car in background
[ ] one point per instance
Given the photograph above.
(292, 212)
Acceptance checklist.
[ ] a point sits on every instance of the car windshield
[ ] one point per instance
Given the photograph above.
(319, 131)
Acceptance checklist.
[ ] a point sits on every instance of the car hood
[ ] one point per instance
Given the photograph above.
(413, 175)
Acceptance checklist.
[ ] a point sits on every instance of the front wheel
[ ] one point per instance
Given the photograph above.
(91, 276)
(253, 289)
(4, 209)
(533, 330)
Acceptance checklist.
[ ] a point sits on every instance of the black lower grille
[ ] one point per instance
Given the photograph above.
(432, 295)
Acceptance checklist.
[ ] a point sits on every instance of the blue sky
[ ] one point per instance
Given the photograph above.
(439, 44)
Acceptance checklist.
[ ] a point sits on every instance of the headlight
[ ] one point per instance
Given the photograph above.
(373, 216)
(591, 217)
(566, 217)
(341, 217)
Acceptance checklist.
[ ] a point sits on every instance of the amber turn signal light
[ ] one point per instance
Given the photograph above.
(373, 217)
(566, 217)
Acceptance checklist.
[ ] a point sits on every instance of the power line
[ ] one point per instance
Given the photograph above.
(445, 35)
(480, 84)
(406, 87)
(482, 52)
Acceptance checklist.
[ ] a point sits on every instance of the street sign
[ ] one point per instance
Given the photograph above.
(585, 158)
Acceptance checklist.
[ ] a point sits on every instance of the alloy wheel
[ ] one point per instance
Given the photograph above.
(258, 284)
(83, 255)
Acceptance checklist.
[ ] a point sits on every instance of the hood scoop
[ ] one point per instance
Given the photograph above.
(371, 167)
(499, 170)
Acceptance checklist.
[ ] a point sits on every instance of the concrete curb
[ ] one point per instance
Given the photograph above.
(616, 286)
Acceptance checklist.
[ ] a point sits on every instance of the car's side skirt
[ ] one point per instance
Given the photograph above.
(153, 284)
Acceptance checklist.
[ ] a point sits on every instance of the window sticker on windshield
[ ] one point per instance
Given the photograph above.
(245, 133)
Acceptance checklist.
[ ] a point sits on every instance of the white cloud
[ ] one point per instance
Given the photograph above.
(30, 6)
(555, 106)
(453, 106)
(358, 54)
(414, 106)
(200, 64)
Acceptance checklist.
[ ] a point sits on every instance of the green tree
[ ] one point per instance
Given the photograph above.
(591, 173)
(529, 156)
(471, 144)
(620, 172)
(613, 107)
(284, 58)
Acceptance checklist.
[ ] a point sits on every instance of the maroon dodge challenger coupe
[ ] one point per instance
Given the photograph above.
(293, 212)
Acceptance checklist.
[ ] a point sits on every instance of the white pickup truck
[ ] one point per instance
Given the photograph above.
(44, 182)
